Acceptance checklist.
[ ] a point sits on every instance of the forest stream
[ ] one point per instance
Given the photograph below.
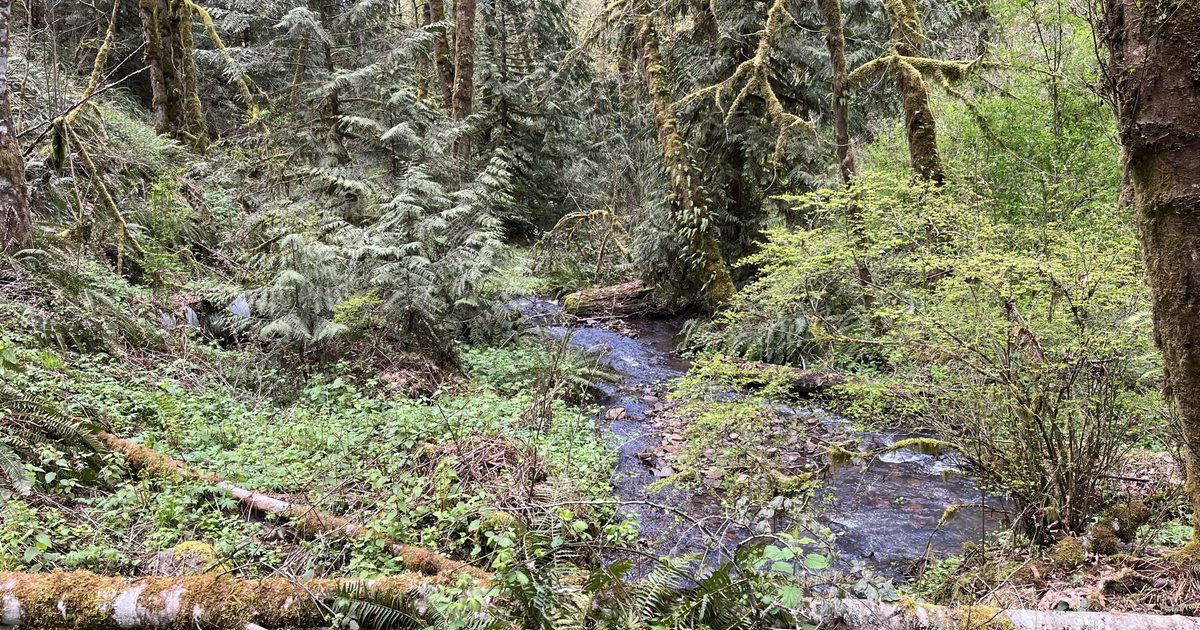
(885, 512)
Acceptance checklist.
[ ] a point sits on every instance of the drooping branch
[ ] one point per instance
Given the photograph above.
(86, 601)
(310, 521)
(754, 76)
(254, 113)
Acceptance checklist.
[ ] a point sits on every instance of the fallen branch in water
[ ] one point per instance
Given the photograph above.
(86, 601)
(309, 521)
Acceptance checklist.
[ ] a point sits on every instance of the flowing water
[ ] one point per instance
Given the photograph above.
(885, 512)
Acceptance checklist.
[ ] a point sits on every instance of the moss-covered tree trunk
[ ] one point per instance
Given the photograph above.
(689, 203)
(1154, 81)
(464, 70)
(435, 12)
(907, 39)
(15, 224)
(175, 101)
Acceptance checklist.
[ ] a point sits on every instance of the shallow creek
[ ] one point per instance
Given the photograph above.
(885, 513)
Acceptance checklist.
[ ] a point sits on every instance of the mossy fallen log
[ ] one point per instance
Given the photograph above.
(86, 601)
(860, 614)
(309, 521)
(618, 300)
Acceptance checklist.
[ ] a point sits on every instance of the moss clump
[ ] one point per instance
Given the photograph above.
(1129, 518)
(981, 618)
(1067, 553)
(1104, 539)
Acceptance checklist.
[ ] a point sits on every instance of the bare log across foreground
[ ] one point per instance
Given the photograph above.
(617, 300)
(859, 614)
(83, 600)
(309, 520)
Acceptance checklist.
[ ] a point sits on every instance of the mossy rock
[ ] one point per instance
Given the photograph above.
(1068, 553)
(190, 557)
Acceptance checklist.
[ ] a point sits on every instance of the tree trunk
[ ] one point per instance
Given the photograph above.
(688, 199)
(435, 11)
(310, 521)
(83, 600)
(15, 223)
(464, 70)
(175, 101)
(835, 41)
(1154, 82)
(907, 39)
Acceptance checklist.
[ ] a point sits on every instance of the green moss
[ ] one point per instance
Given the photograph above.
(1104, 539)
(981, 618)
(1068, 553)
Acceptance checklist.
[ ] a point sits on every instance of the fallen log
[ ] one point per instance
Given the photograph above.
(309, 521)
(86, 601)
(861, 614)
(799, 381)
(619, 300)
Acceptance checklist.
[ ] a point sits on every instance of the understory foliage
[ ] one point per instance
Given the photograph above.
(1029, 346)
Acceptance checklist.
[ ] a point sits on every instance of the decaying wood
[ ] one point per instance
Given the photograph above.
(799, 381)
(309, 521)
(83, 600)
(859, 614)
(618, 300)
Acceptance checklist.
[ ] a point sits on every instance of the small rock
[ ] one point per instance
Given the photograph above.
(650, 399)
(665, 471)
(713, 472)
(615, 413)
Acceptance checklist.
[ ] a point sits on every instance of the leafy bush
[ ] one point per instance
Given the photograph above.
(1031, 345)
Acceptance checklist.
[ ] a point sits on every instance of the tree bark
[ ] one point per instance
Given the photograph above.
(908, 39)
(464, 70)
(619, 300)
(435, 12)
(15, 223)
(175, 101)
(835, 40)
(1153, 76)
(86, 601)
(310, 521)
(689, 203)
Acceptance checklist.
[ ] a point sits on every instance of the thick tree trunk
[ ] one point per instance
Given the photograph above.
(83, 600)
(435, 12)
(15, 224)
(688, 199)
(175, 101)
(310, 521)
(907, 39)
(464, 70)
(1154, 77)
